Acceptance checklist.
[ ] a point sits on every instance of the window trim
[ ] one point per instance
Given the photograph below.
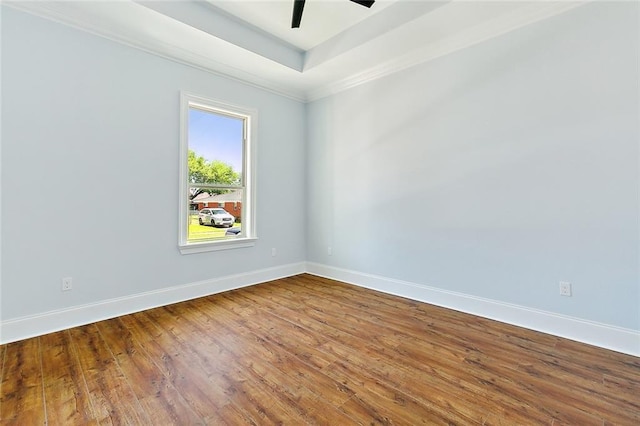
(250, 115)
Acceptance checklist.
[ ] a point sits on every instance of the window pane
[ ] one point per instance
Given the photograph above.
(215, 216)
(215, 143)
(215, 170)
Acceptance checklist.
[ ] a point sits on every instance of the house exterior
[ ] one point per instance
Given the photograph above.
(231, 202)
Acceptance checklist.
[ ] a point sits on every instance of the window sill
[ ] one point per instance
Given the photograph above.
(202, 247)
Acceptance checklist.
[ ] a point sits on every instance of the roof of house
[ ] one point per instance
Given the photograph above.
(232, 196)
(201, 196)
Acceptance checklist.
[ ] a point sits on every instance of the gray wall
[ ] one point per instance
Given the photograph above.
(90, 142)
(496, 171)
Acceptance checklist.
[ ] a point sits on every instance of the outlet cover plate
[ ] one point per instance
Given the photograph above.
(565, 288)
(67, 283)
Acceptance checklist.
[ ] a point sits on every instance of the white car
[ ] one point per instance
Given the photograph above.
(215, 217)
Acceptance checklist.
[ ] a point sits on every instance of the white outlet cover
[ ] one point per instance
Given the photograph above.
(67, 284)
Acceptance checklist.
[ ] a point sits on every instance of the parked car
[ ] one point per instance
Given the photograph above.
(233, 232)
(215, 217)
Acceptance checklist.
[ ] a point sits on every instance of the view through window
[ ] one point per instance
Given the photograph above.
(216, 172)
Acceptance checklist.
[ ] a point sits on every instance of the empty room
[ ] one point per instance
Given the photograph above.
(326, 212)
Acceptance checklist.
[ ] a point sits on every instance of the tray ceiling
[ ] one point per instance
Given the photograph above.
(339, 45)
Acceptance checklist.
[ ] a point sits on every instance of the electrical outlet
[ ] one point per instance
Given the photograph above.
(67, 283)
(274, 252)
(565, 288)
(329, 251)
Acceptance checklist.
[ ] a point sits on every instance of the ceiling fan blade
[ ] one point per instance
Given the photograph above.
(298, 7)
(365, 3)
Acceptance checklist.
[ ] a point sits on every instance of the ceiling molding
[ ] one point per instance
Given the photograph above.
(322, 19)
(218, 23)
(368, 30)
(478, 34)
(170, 38)
(86, 17)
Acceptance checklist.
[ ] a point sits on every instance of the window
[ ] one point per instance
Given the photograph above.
(216, 170)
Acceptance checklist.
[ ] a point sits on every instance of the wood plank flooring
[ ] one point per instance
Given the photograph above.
(307, 350)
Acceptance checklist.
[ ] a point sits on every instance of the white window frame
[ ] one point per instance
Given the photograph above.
(250, 117)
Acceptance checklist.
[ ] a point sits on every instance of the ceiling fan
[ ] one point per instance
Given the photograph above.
(298, 7)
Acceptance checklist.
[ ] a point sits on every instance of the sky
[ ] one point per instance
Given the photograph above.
(216, 137)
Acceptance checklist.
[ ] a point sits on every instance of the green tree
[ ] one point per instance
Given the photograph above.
(216, 171)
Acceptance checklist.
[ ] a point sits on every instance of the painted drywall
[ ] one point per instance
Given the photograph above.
(495, 172)
(90, 143)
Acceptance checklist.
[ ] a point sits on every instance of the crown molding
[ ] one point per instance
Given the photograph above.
(220, 24)
(119, 22)
(496, 27)
(375, 26)
(86, 17)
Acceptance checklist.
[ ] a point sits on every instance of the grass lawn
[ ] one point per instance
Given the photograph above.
(208, 232)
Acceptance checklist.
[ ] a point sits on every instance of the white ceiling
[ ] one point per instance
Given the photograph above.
(340, 44)
(321, 20)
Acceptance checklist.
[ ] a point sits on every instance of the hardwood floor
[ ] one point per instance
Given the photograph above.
(306, 350)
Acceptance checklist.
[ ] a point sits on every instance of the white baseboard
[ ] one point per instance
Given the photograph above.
(48, 322)
(593, 333)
